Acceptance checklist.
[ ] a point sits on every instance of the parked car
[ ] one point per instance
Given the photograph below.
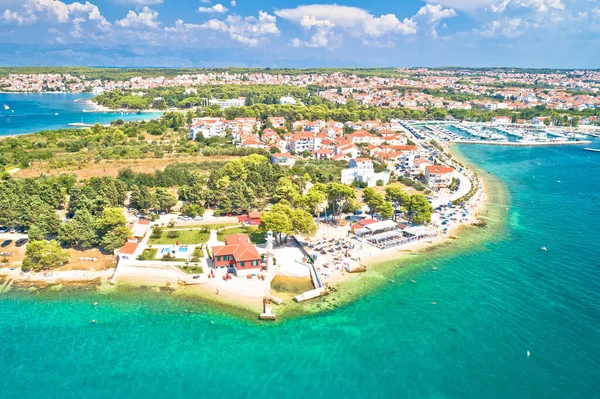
(3, 229)
(21, 242)
(6, 243)
(198, 218)
(13, 230)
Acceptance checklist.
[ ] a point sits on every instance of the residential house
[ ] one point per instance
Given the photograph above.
(283, 159)
(438, 176)
(238, 255)
(277, 122)
(140, 228)
(270, 136)
(347, 149)
(129, 251)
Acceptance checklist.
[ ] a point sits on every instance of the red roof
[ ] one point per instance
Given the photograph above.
(439, 170)
(238, 246)
(129, 248)
(362, 223)
(254, 215)
(143, 221)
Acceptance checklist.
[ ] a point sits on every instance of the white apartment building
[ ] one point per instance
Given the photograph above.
(362, 171)
(207, 128)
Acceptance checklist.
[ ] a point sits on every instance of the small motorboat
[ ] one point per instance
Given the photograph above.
(544, 249)
(6, 107)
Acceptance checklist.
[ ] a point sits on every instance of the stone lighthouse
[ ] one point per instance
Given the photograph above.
(270, 252)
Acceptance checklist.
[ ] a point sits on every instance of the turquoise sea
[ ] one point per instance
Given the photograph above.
(30, 113)
(495, 300)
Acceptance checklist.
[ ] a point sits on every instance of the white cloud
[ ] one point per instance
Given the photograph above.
(51, 9)
(508, 27)
(248, 30)
(139, 2)
(324, 20)
(14, 17)
(217, 8)
(431, 16)
(57, 12)
(233, 3)
(499, 6)
(296, 42)
(146, 18)
(251, 30)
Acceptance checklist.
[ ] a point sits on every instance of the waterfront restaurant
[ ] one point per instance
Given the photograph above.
(372, 229)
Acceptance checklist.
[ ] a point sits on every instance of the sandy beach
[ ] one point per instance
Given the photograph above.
(101, 108)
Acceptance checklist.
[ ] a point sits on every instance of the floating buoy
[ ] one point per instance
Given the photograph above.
(93, 321)
(528, 353)
(95, 303)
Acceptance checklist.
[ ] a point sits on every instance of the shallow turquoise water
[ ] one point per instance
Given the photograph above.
(36, 112)
(495, 302)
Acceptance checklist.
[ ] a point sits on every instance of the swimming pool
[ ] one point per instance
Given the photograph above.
(165, 251)
(183, 249)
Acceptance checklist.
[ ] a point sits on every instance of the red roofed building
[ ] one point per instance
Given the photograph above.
(362, 224)
(253, 218)
(127, 251)
(438, 176)
(238, 253)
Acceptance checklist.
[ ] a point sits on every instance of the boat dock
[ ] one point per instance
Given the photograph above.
(521, 143)
(320, 289)
(312, 294)
(267, 313)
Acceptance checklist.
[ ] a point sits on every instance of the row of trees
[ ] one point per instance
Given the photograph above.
(144, 199)
(96, 207)
(415, 207)
(108, 230)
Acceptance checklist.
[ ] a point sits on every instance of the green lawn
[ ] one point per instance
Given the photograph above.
(192, 269)
(215, 226)
(148, 254)
(255, 236)
(186, 237)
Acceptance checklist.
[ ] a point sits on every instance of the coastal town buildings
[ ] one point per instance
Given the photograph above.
(451, 89)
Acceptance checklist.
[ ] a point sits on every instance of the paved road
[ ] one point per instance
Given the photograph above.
(465, 187)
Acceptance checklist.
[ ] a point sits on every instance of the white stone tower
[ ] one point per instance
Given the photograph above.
(270, 252)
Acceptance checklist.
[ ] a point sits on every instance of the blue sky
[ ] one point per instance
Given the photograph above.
(301, 33)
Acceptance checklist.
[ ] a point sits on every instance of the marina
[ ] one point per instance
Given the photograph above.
(504, 135)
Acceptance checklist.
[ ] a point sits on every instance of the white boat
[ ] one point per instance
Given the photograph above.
(6, 107)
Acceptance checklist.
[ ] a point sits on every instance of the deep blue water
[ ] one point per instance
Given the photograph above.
(30, 113)
(496, 300)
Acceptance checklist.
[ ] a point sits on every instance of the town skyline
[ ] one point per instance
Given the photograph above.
(281, 33)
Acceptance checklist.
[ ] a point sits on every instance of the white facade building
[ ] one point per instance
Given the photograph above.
(228, 103)
(362, 171)
(287, 101)
(207, 128)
